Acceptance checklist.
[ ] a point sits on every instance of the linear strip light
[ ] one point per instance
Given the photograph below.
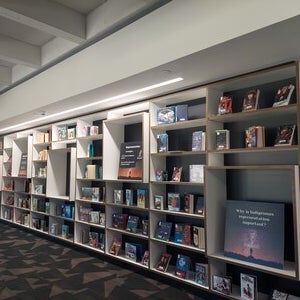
(144, 89)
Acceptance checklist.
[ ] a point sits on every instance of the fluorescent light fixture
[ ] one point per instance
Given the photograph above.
(141, 90)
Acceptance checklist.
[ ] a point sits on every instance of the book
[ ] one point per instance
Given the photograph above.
(278, 295)
(146, 258)
(254, 232)
(84, 213)
(131, 161)
(283, 95)
(95, 194)
(158, 201)
(94, 217)
(181, 112)
(93, 239)
(132, 223)
(64, 231)
(174, 202)
(38, 189)
(178, 233)
(62, 132)
(145, 227)
(198, 141)
(23, 165)
(198, 237)
(163, 230)
(129, 197)
(131, 251)
(162, 142)
(222, 139)
(225, 105)
(255, 137)
(182, 265)
(118, 196)
(248, 286)
(142, 196)
(91, 171)
(188, 203)
(199, 207)
(166, 115)
(86, 193)
(71, 133)
(196, 173)
(163, 262)
(222, 284)
(176, 175)
(250, 101)
(102, 218)
(119, 220)
(115, 247)
(186, 234)
(285, 135)
(201, 273)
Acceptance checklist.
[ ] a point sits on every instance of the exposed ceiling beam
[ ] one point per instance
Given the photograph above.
(18, 52)
(47, 16)
(5, 75)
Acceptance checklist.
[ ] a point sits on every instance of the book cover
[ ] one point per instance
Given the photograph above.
(198, 141)
(278, 295)
(118, 196)
(254, 232)
(182, 265)
(158, 202)
(130, 251)
(115, 247)
(248, 285)
(86, 193)
(196, 173)
(174, 202)
(225, 105)
(119, 220)
(201, 273)
(186, 234)
(250, 101)
(132, 223)
(166, 115)
(95, 194)
(285, 135)
(131, 161)
(146, 258)
(181, 112)
(255, 137)
(142, 196)
(188, 203)
(283, 95)
(102, 218)
(178, 232)
(62, 132)
(94, 239)
(222, 139)
(129, 197)
(145, 227)
(163, 262)
(222, 284)
(176, 175)
(163, 230)
(198, 237)
(94, 217)
(102, 241)
(71, 133)
(162, 142)
(64, 231)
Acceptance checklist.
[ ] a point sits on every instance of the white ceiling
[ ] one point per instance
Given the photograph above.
(29, 27)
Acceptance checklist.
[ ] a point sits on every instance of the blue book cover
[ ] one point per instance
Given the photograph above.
(254, 232)
(182, 265)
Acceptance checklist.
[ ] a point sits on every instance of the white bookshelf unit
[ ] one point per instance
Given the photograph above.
(71, 185)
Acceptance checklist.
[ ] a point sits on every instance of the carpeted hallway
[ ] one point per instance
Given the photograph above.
(33, 267)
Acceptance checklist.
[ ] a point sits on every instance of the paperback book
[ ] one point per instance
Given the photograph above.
(163, 262)
(285, 135)
(248, 284)
(222, 284)
(182, 266)
(250, 101)
(163, 230)
(225, 105)
(158, 202)
(162, 142)
(198, 141)
(222, 139)
(166, 115)
(283, 95)
(255, 137)
(174, 202)
(201, 273)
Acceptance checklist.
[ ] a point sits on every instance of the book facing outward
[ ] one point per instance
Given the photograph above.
(222, 139)
(162, 142)
(250, 101)
(255, 137)
(248, 284)
(163, 262)
(225, 105)
(283, 95)
(285, 135)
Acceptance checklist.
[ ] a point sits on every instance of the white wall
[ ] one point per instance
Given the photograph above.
(175, 30)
